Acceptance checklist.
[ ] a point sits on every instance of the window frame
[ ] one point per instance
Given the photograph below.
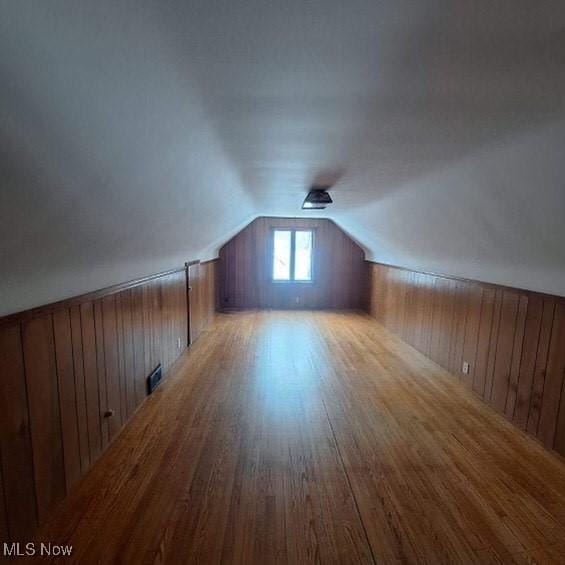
(291, 279)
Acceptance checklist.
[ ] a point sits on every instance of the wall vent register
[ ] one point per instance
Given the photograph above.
(154, 379)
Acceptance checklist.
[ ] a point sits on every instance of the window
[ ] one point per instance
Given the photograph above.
(292, 255)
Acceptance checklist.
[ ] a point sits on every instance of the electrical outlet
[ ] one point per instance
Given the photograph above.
(465, 368)
(298, 300)
(179, 343)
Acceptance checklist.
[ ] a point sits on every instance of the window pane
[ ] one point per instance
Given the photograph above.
(281, 256)
(303, 256)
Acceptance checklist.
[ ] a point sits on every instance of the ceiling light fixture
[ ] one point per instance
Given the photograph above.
(317, 199)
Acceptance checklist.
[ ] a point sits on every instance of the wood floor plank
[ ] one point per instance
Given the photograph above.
(315, 437)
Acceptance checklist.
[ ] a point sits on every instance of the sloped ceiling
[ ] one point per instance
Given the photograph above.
(136, 135)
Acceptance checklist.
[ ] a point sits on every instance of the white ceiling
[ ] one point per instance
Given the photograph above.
(136, 135)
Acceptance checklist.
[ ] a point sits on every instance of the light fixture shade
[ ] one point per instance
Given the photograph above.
(316, 199)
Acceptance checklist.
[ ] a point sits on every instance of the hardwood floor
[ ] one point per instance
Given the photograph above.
(305, 437)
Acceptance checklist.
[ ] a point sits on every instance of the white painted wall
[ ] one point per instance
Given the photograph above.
(497, 215)
(135, 135)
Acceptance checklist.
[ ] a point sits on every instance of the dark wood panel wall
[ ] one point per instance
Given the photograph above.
(203, 296)
(246, 268)
(513, 340)
(65, 368)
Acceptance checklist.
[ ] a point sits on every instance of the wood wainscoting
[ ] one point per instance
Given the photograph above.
(202, 278)
(246, 269)
(72, 374)
(513, 340)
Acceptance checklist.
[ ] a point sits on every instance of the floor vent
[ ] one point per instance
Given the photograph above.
(154, 379)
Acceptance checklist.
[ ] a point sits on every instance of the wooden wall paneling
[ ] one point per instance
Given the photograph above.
(251, 256)
(210, 282)
(513, 340)
(236, 269)
(397, 297)
(410, 310)
(452, 327)
(414, 310)
(101, 372)
(183, 306)
(61, 368)
(147, 328)
(196, 296)
(428, 315)
(373, 288)
(178, 321)
(472, 332)
(172, 329)
(492, 343)
(67, 396)
(44, 411)
(391, 311)
(157, 305)
(447, 336)
(246, 262)
(172, 314)
(227, 282)
(460, 297)
(504, 347)
(90, 362)
(15, 442)
(195, 303)
(528, 362)
(460, 313)
(435, 318)
(378, 293)
(407, 311)
(179, 312)
(213, 282)
(437, 305)
(448, 322)
(425, 333)
(203, 295)
(441, 319)
(555, 373)
(235, 276)
(405, 322)
(140, 367)
(121, 355)
(80, 388)
(485, 337)
(517, 348)
(129, 370)
(557, 367)
(388, 309)
(417, 311)
(113, 388)
(541, 365)
(211, 278)
(402, 304)
(165, 337)
(255, 278)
